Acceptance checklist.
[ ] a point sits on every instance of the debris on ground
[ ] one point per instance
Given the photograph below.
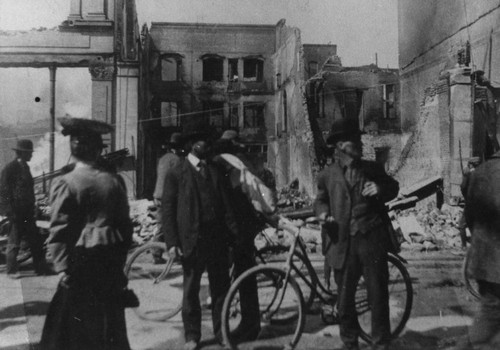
(430, 228)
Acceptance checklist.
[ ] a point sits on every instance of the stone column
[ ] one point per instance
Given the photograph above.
(461, 117)
(127, 120)
(102, 71)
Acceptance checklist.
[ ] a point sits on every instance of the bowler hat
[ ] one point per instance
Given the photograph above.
(80, 126)
(24, 146)
(175, 139)
(229, 135)
(343, 127)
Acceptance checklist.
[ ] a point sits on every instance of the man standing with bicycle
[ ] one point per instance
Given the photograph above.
(17, 202)
(351, 201)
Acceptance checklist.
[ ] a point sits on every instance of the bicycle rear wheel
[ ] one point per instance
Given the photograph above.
(281, 310)
(470, 283)
(158, 285)
(400, 300)
(277, 255)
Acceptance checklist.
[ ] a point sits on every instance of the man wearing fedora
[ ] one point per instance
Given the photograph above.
(350, 200)
(17, 202)
(166, 163)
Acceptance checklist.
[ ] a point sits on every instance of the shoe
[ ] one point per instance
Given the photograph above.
(14, 276)
(190, 345)
(159, 261)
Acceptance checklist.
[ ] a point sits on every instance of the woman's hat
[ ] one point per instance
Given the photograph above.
(24, 146)
(79, 126)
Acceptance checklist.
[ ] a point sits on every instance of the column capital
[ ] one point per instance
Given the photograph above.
(102, 68)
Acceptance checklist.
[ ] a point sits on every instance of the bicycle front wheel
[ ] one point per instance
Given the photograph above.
(157, 281)
(400, 300)
(301, 270)
(470, 283)
(281, 310)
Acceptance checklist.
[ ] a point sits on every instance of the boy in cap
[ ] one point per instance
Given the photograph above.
(199, 225)
(90, 234)
(17, 201)
(351, 197)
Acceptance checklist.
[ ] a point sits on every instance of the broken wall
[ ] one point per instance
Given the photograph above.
(291, 148)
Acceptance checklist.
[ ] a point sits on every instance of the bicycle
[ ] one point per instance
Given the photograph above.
(157, 279)
(282, 304)
(469, 282)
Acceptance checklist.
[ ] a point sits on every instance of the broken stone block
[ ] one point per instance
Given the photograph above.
(429, 246)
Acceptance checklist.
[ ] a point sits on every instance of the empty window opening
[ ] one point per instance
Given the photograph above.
(169, 69)
(214, 113)
(253, 115)
(253, 69)
(212, 69)
(389, 95)
(233, 70)
(170, 114)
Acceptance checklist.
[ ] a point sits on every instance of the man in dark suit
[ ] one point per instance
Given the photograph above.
(199, 226)
(482, 214)
(17, 202)
(350, 199)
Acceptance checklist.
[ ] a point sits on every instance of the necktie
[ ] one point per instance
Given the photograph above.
(203, 168)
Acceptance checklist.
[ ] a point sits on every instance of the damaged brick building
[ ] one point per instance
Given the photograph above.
(447, 113)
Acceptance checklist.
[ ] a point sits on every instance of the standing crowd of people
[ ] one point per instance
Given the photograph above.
(213, 199)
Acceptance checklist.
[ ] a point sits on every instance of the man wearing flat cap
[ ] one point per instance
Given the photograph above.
(199, 225)
(90, 234)
(17, 202)
(350, 200)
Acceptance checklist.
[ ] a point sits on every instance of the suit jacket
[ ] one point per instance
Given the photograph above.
(334, 198)
(181, 207)
(482, 214)
(17, 195)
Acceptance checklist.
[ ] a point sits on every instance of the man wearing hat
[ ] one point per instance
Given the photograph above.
(350, 200)
(167, 162)
(17, 201)
(90, 234)
(199, 225)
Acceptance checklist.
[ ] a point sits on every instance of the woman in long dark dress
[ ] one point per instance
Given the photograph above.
(90, 233)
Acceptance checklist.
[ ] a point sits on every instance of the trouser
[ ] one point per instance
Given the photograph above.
(244, 259)
(462, 229)
(368, 259)
(159, 235)
(19, 229)
(210, 254)
(485, 330)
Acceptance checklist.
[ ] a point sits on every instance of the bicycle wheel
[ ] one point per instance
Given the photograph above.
(400, 300)
(277, 255)
(281, 309)
(470, 283)
(158, 286)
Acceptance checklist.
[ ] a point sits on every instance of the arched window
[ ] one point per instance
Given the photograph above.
(213, 67)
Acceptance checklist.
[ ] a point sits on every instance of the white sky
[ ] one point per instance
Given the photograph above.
(359, 28)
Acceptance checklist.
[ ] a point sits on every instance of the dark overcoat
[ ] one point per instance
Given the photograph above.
(334, 198)
(181, 207)
(482, 213)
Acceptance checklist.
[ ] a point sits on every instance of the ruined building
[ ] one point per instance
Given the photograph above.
(249, 78)
(448, 110)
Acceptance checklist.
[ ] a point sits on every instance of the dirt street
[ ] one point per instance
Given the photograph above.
(442, 312)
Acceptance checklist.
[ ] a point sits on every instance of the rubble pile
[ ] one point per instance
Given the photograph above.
(144, 217)
(291, 198)
(430, 228)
